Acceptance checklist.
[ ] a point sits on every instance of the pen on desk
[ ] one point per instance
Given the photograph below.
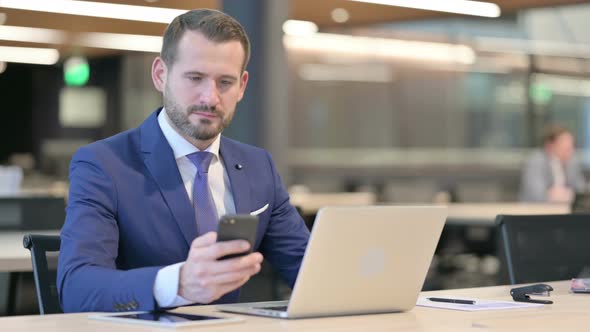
(458, 301)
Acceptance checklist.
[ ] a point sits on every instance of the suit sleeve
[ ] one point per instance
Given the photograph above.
(578, 180)
(287, 235)
(534, 181)
(88, 278)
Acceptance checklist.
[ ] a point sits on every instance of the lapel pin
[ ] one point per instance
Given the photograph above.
(239, 166)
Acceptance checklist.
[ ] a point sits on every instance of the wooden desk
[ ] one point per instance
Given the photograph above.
(571, 312)
(468, 214)
(465, 214)
(310, 203)
(13, 256)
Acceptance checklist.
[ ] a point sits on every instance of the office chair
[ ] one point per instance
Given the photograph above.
(581, 203)
(538, 248)
(45, 281)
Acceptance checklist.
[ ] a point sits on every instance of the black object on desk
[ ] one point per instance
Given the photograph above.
(34, 212)
(457, 301)
(522, 294)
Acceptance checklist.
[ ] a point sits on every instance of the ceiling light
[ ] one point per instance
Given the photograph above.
(32, 35)
(119, 41)
(299, 28)
(381, 48)
(97, 9)
(374, 73)
(466, 7)
(340, 15)
(39, 56)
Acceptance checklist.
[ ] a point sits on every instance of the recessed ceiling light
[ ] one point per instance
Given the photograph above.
(118, 41)
(97, 9)
(299, 28)
(32, 35)
(340, 15)
(466, 7)
(381, 48)
(39, 56)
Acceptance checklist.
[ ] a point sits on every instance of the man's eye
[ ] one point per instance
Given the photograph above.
(224, 82)
(194, 78)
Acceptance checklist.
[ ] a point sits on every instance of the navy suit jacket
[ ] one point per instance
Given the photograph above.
(129, 215)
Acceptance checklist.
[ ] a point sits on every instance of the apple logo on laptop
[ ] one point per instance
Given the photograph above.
(372, 262)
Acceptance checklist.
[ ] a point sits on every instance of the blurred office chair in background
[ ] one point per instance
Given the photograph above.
(581, 203)
(544, 247)
(45, 279)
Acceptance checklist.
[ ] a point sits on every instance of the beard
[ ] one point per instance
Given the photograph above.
(205, 129)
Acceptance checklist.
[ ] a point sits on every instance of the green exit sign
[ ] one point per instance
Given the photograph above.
(76, 71)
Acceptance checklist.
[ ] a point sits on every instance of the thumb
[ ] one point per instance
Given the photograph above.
(204, 240)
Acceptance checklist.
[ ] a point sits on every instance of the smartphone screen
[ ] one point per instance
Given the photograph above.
(163, 316)
(238, 227)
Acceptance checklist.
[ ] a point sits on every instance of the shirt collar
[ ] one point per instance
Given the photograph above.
(180, 146)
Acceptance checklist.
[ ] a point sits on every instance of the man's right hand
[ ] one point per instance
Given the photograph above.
(204, 279)
(560, 194)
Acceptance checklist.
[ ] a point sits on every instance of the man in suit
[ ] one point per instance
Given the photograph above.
(552, 174)
(140, 230)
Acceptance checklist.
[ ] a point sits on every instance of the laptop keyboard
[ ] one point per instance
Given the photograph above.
(276, 308)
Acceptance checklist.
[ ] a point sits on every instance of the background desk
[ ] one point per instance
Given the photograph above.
(571, 312)
(484, 214)
(13, 256)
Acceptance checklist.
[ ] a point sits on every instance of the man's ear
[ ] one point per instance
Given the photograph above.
(159, 73)
(243, 84)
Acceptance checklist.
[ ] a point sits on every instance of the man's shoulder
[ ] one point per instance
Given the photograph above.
(538, 156)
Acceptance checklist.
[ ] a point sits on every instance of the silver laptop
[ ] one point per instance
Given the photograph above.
(360, 260)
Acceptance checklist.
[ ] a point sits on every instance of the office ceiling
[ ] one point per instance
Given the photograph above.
(318, 11)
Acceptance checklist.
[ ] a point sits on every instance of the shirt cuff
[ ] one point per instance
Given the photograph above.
(166, 287)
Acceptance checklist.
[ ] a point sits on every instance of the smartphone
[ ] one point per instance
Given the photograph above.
(238, 227)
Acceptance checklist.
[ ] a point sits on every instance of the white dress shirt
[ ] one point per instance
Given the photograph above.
(558, 172)
(167, 279)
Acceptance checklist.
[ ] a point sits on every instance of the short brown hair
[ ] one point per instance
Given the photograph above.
(213, 24)
(552, 131)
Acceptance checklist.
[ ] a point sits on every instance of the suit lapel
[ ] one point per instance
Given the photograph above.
(159, 160)
(237, 170)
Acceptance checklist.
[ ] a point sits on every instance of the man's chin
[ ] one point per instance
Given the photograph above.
(207, 134)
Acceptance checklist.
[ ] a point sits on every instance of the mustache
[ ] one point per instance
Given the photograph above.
(203, 108)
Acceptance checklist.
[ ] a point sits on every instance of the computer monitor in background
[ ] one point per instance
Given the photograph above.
(32, 212)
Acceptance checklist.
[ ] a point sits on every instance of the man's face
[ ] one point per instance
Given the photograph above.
(563, 147)
(202, 87)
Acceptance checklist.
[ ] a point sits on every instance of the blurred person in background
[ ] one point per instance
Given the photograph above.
(552, 174)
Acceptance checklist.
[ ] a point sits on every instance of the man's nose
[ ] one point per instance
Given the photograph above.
(210, 94)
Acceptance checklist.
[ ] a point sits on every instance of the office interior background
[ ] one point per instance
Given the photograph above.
(401, 105)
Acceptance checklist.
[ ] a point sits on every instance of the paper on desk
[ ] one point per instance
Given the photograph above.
(480, 305)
